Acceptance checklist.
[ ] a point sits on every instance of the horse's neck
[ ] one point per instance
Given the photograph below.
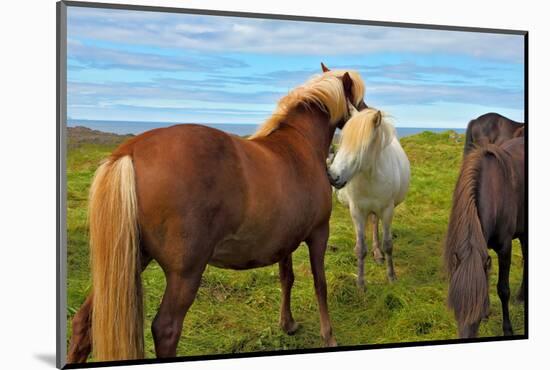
(307, 127)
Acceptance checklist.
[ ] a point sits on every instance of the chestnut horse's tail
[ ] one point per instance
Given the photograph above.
(117, 311)
(466, 255)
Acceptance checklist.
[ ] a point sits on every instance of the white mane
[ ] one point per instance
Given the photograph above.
(364, 137)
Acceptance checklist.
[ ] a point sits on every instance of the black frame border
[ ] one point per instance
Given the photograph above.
(61, 118)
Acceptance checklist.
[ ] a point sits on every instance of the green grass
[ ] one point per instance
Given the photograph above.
(238, 311)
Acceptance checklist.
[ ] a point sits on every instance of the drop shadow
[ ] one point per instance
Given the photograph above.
(47, 358)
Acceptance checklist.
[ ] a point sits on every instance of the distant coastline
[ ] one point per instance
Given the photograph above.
(136, 127)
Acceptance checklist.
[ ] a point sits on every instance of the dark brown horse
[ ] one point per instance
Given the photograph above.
(491, 128)
(488, 211)
(188, 196)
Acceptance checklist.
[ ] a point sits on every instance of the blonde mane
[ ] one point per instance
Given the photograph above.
(365, 135)
(325, 91)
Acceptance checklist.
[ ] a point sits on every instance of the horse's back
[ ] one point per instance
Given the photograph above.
(188, 158)
(490, 128)
(488, 119)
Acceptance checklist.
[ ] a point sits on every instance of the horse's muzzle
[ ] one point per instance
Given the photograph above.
(336, 181)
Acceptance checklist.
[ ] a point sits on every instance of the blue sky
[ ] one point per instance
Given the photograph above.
(145, 66)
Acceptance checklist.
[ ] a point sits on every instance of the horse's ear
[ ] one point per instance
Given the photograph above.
(348, 86)
(520, 132)
(378, 119)
(324, 67)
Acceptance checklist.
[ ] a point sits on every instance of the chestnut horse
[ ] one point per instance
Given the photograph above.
(491, 128)
(488, 211)
(189, 195)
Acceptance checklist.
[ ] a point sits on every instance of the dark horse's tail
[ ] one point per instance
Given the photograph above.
(466, 255)
(117, 312)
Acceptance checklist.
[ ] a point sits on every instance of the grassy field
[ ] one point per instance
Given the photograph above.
(238, 311)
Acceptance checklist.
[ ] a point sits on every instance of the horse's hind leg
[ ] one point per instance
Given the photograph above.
(360, 243)
(503, 286)
(377, 253)
(387, 217)
(81, 339)
(521, 292)
(183, 261)
(181, 289)
(317, 244)
(286, 276)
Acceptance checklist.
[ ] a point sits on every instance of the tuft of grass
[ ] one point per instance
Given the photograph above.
(238, 311)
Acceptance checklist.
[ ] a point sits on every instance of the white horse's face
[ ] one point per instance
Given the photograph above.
(342, 169)
(356, 139)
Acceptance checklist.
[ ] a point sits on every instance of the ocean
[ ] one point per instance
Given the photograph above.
(135, 127)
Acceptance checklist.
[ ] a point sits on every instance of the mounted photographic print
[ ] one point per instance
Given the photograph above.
(236, 184)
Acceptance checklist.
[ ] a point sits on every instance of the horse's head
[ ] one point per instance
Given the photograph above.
(363, 137)
(354, 92)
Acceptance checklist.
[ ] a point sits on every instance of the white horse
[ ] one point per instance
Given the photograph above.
(372, 172)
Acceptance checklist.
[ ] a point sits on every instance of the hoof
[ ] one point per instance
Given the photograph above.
(520, 297)
(331, 342)
(378, 257)
(508, 333)
(290, 328)
(392, 278)
(75, 357)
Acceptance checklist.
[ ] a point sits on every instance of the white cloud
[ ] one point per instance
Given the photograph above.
(209, 33)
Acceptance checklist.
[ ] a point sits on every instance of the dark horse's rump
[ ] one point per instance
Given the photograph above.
(488, 211)
(491, 128)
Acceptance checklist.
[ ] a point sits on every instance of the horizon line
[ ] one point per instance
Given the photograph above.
(225, 123)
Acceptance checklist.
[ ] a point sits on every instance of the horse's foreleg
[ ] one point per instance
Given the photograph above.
(360, 244)
(81, 339)
(521, 292)
(286, 275)
(503, 286)
(377, 253)
(387, 218)
(317, 244)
